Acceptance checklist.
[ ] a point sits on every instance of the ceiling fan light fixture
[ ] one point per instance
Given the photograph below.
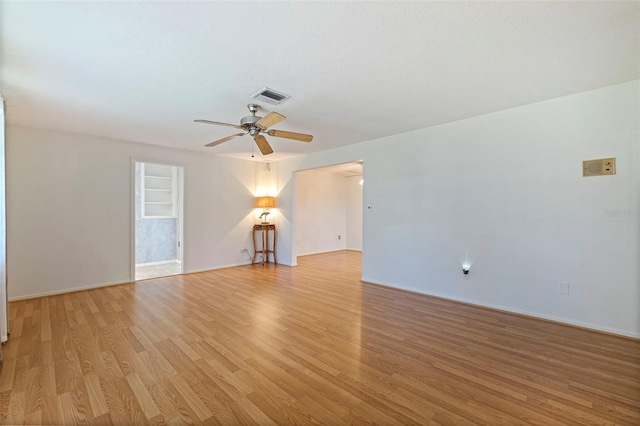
(270, 96)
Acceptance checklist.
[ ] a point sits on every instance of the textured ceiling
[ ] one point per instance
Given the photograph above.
(142, 71)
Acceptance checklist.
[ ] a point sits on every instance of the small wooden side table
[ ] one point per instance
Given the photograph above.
(263, 229)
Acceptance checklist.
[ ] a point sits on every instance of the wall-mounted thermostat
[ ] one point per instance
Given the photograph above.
(602, 166)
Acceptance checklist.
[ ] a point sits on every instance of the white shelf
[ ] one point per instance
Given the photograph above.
(158, 191)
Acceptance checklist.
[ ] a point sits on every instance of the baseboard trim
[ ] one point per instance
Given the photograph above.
(322, 252)
(352, 249)
(161, 262)
(535, 315)
(231, 265)
(65, 291)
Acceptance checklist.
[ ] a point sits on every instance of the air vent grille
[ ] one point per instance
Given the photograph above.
(270, 96)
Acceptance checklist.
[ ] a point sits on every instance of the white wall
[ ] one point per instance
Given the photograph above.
(321, 212)
(69, 201)
(353, 195)
(506, 189)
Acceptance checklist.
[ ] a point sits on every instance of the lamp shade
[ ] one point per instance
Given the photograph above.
(265, 202)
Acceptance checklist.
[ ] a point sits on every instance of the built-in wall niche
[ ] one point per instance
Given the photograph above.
(158, 185)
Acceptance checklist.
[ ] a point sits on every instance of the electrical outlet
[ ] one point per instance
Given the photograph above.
(339, 237)
(563, 288)
(243, 250)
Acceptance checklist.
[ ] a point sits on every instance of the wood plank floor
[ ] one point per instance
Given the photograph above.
(305, 345)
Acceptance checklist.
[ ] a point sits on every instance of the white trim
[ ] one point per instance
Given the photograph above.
(354, 249)
(321, 252)
(4, 318)
(181, 222)
(162, 262)
(294, 218)
(231, 265)
(132, 220)
(67, 290)
(568, 321)
(288, 264)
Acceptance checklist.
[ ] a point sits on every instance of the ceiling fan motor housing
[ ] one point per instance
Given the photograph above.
(249, 121)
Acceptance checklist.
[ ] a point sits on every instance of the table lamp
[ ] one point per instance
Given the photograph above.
(265, 203)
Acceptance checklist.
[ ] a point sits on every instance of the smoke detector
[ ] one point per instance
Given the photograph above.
(270, 96)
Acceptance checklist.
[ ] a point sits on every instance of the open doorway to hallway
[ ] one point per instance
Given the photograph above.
(158, 220)
(329, 209)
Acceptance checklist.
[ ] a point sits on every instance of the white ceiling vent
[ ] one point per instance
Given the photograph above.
(270, 96)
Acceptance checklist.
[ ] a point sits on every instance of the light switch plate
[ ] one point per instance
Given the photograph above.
(563, 288)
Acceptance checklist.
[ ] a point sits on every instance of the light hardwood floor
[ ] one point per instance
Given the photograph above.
(272, 344)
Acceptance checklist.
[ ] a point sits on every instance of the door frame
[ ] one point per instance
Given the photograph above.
(132, 211)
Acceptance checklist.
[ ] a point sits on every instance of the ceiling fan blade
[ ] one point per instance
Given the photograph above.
(290, 135)
(270, 119)
(264, 146)
(228, 138)
(217, 123)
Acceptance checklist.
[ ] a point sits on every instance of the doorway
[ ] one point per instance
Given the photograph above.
(158, 220)
(328, 206)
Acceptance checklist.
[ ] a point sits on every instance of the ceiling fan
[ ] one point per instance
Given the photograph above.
(254, 126)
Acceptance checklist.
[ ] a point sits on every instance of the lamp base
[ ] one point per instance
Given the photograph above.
(264, 223)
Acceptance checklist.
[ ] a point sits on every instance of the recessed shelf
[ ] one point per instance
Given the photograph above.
(158, 191)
